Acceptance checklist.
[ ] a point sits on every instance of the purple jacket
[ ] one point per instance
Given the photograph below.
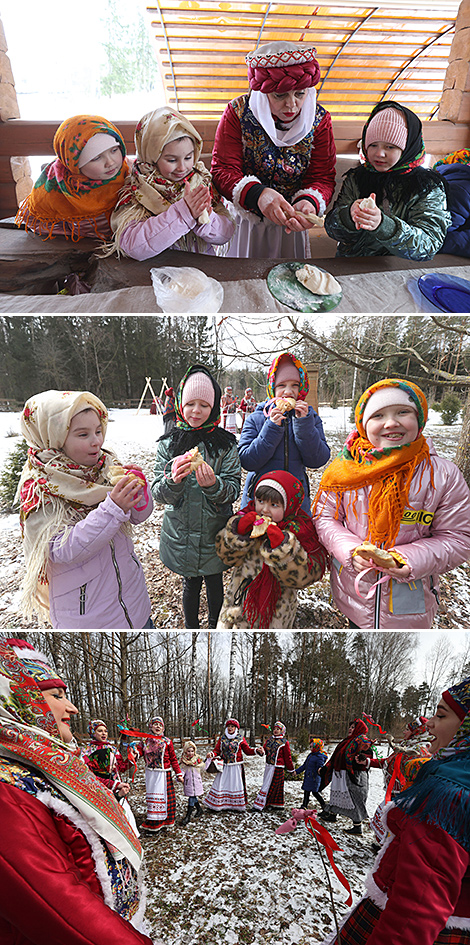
(192, 784)
(147, 238)
(96, 581)
(434, 537)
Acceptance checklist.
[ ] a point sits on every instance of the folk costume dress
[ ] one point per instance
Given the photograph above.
(419, 887)
(63, 201)
(412, 200)
(151, 214)
(350, 778)
(107, 763)
(228, 790)
(160, 757)
(253, 151)
(229, 412)
(81, 568)
(278, 760)
(400, 769)
(70, 862)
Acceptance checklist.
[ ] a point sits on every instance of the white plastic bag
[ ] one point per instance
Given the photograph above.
(184, 289)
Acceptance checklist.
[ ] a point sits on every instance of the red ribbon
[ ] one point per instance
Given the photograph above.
(370, 720)
(321, 833)
(133, 732)
(265, 726)
(394, 777)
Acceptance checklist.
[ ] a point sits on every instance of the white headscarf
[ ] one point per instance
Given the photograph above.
(302, 124)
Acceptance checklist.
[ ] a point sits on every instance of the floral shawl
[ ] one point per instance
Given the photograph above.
(62, 194)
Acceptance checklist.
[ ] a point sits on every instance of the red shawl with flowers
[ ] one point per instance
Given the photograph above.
(265, 591)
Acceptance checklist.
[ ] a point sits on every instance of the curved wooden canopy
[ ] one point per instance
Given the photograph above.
(367, 53)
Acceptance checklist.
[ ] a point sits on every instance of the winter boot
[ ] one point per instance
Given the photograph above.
(198, 809)
(355, 829)
(187, 816)
(325, 815)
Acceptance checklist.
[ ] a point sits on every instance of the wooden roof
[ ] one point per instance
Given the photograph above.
(397, 50)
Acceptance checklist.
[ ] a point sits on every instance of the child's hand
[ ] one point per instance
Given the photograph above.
(180, 778)
(301, 408)
(400, 573)
(246, 522)
(276, 415)
(299, 222)
(198, 199)
(367, 219)
(275, 535)
(205, 475)
(180, 467)
(127, 493)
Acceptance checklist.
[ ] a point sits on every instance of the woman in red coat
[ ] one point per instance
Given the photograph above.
(228, 791)
(69, 862)
(274, 153)
(419, 889)
(278, 758)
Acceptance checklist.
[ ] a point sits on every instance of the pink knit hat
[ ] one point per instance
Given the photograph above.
(388, 125)
(282, 66)
(385, 397)
(198, 387)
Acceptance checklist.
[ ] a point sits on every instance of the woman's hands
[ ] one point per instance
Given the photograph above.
(276, 209)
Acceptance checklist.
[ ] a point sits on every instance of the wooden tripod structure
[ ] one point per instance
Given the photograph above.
(148, 386)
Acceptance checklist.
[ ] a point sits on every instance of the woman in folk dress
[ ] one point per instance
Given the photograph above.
(160, 757)
(228, 791)
(278, 758)
(348, 771)
(107, 764)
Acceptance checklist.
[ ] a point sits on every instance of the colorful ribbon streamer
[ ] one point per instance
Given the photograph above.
(370, 720)
(321, 833)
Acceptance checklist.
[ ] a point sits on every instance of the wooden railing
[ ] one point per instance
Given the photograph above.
(23, 138)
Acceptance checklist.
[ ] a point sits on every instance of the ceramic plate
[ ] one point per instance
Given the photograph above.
(447, 293)
(283, 285)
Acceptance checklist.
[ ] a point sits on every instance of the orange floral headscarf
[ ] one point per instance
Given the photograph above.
(62, 194)
(388, 471)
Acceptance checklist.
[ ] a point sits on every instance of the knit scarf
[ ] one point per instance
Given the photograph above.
(440, 794)
(146, 193)
(29, 735)
(54, 493)
(62, 194)
(264, 592)
(387, 471)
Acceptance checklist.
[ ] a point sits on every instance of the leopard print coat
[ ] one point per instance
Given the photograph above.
(288, 562)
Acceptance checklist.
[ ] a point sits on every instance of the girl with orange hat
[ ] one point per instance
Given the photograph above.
(390, 488)
(75, 195)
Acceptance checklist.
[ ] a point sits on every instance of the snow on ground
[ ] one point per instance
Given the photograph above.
(228, 878)
(133, 437)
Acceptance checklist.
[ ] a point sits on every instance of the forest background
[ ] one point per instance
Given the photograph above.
(315, 681)
(113, 355)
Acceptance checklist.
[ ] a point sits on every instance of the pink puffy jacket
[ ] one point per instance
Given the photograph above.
(434, 537)
(96, 580)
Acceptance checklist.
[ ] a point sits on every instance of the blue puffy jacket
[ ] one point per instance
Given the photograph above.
(457, 240)
(312, 764)
(298, 443)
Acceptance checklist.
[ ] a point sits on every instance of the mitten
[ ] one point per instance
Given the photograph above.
(275, 535)
(246, 522)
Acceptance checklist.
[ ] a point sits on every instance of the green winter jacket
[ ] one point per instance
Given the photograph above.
(193, 515)
(413, 229)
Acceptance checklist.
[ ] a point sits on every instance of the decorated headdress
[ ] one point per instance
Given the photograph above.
(234, 722)
(416, 726)
(156, 718)
(62, 194)
(388, 470)
(281, 726)
(316, 744)
(458, 698)
(35, 665)
(29, 735)
(282, 66)
(271, 380)
(93, 725)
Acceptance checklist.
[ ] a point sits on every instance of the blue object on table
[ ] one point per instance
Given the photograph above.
(447, 293)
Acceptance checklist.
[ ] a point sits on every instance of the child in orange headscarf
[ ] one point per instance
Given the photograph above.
(390, 487)
(76, 194)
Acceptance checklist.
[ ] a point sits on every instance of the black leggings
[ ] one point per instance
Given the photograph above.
(317, 797)
(191, 594)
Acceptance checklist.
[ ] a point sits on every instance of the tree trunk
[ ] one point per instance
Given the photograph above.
(462, 456)
(231, 676)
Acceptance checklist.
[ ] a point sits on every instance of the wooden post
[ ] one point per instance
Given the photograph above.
(455, 101)
(15, 172)
(312, 397)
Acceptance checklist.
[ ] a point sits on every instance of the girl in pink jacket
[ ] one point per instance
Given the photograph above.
(390, 488)
(81, 569)
(169, 201)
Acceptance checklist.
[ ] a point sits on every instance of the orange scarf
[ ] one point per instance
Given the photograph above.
(62, 194)
(388, 472)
